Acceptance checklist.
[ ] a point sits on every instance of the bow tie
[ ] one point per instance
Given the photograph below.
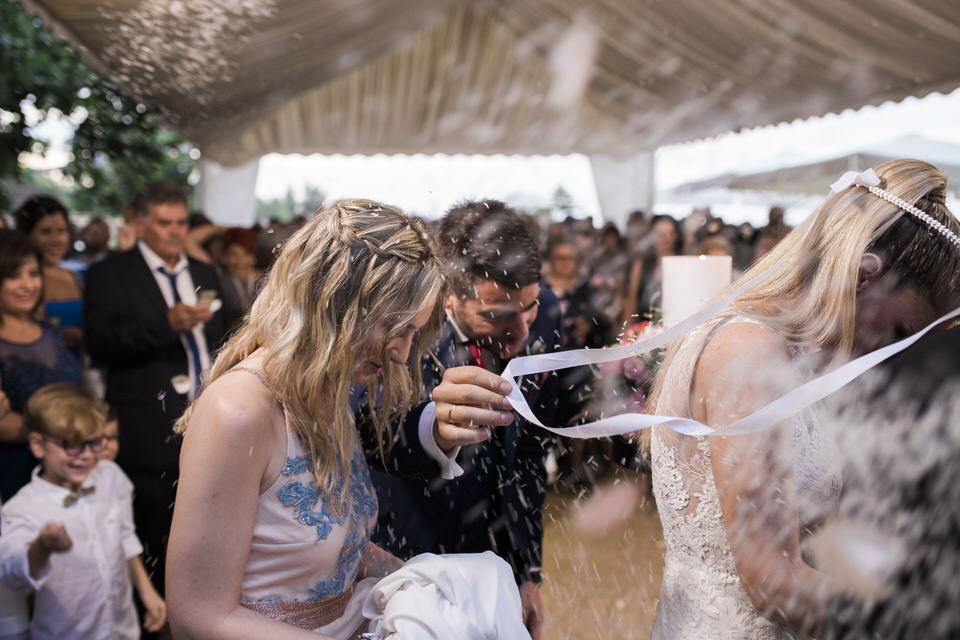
(72, 497)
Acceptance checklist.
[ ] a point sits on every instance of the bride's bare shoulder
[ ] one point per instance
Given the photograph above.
(745, 350)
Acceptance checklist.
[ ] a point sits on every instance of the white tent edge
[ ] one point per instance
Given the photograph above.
(227, 194)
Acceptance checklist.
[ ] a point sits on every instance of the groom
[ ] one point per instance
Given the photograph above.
(466, 474)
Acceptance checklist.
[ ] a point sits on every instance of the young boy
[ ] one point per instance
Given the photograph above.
(111, 431)
(68, 534)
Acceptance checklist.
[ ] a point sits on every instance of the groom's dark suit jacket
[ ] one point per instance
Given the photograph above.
(497, 503)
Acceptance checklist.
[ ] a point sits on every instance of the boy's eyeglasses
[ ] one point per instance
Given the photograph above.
(96, 445)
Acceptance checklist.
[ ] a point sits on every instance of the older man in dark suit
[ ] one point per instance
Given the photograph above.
(466, 474)
(148, 320)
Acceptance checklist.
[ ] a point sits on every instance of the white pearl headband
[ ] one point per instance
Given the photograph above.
(869, 180)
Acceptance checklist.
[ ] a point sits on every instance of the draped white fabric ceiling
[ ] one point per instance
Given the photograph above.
(241, 78)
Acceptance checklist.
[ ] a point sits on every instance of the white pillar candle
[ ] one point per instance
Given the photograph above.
(690, 282)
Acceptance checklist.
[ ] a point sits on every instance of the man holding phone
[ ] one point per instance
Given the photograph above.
(206, 298)
(150, 319)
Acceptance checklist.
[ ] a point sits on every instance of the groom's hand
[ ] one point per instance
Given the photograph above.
(469, 401)
(532, 608)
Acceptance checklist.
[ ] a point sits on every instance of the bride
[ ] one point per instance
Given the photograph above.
(736, 510)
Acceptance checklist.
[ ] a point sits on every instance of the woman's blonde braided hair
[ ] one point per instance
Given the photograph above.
(357, 270)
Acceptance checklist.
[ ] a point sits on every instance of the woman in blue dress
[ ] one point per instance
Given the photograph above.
(31, 353)
(44, 220)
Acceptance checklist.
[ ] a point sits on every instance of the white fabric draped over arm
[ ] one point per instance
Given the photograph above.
(469, 596)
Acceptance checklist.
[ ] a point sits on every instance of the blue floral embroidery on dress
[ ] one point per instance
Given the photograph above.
(297, 465)
(305, 499)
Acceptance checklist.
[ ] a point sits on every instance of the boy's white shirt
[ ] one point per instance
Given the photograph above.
(84, 592)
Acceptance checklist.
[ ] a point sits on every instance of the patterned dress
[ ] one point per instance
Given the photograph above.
(307, 546)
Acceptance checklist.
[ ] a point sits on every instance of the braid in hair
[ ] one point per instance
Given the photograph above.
(351, 279)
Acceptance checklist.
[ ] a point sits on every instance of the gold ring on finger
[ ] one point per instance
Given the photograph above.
(450, 415)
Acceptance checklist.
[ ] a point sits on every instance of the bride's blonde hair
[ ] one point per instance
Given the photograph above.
(820, 277)
(358, 269)
(811, 298)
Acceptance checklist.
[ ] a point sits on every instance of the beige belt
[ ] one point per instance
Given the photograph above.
(306, 615)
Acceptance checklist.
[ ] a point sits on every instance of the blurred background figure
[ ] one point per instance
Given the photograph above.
(204, 239)
(609, 266)
(775, 224)
(269, 241)
(146, 322)
(238, 280)
(692, 227)
(111, 432)
(638, 224)
(96, 240)
(773, 232)
(44, 220)
(743, 246)
(714, 245)
(644, 283)
(563, 276)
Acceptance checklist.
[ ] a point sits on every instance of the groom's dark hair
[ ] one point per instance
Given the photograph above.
(486, 240)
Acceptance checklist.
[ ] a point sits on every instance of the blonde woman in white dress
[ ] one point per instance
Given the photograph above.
(736, 511)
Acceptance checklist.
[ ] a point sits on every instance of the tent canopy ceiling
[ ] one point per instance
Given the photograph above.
(241, 78)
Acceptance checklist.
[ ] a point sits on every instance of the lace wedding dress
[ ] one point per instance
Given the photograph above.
(701, 596)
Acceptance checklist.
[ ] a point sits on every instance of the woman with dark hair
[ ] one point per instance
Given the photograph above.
(44, 220)
(31, 353)
(643, 285)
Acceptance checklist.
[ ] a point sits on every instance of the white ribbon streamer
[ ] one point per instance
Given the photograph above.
(767, 416)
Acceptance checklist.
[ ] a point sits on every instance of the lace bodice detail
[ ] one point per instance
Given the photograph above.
(701, 595)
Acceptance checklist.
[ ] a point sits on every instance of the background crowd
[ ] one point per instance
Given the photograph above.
(607, 281)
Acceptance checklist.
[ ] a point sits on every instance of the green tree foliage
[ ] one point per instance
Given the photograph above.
(562, 202)
(561, 205)
(118, 143)
(282, 209)
(286, 208)
(313, 198)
